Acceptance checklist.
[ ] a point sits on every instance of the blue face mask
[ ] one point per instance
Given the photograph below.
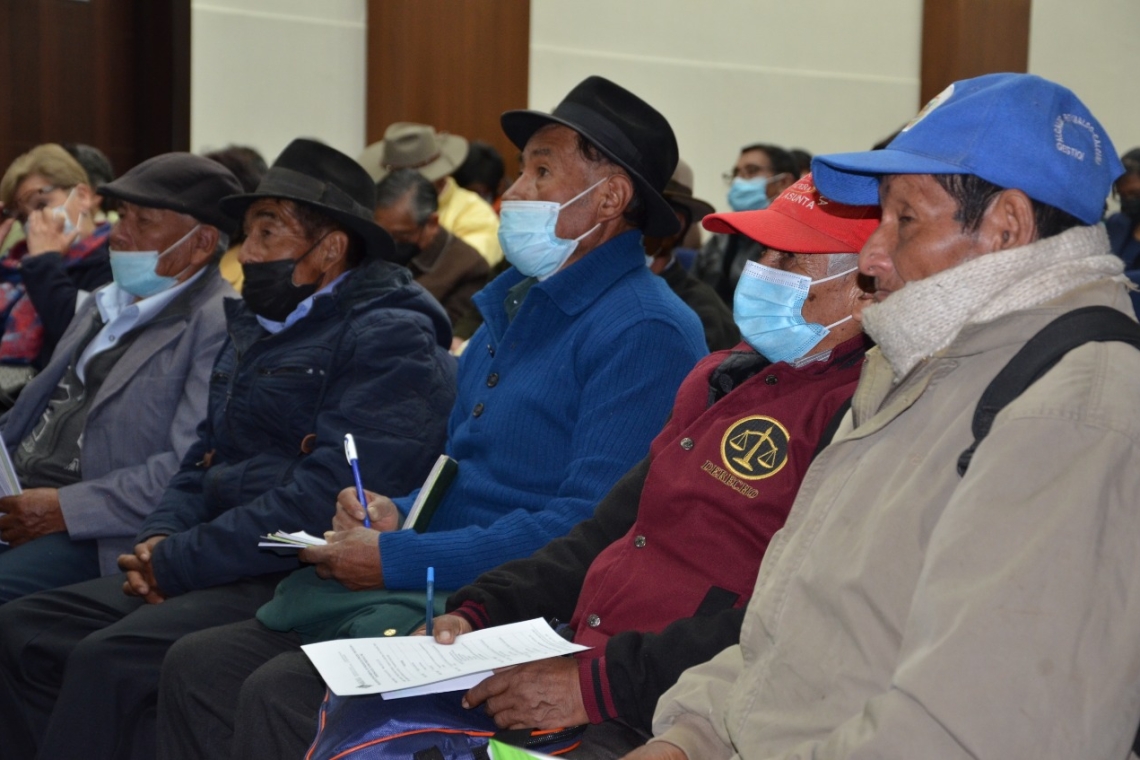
(749, 194)
(133, 271)
(526, 233)
(768, 309)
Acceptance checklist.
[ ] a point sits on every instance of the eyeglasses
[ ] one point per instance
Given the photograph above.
(748, 171)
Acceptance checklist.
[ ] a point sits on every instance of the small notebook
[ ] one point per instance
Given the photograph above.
(431, 493)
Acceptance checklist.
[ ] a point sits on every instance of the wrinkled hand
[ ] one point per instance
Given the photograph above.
(140, 572)
(540, 694)
(445, 628)
(349, 514)
(657, 751)
(44, 231)
(351, 557)
(32, 514)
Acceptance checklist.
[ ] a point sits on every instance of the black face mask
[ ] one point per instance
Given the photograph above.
(268, 289)
(1130, 207)
(404, 253)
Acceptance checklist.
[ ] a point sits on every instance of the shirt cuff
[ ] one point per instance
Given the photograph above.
(595, 685)
(474, 613)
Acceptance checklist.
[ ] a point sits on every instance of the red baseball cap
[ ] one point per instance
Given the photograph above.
(800, 220)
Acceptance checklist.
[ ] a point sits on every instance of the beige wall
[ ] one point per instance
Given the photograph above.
(266, 71)
(1093, 47)
(827, 75)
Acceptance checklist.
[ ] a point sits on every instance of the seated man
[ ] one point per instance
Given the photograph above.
(436, 156)
(720, 331)
(328, 339)
(63, 254)
(560, 392)
(908, 609)
(448, 268)
(96, 436)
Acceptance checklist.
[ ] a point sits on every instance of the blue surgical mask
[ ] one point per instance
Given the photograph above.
(68, 225)
(133, 271)
(526, 233)
(768, 309)
(749, 194)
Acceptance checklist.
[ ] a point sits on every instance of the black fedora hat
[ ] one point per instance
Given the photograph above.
(317, 175)
(625, 128)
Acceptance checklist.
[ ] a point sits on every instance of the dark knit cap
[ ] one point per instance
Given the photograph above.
(180, 182)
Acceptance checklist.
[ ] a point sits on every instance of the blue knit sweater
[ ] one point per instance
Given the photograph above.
(553, 408)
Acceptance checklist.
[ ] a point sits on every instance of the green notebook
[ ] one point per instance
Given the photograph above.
(431, 493)
(500, 751)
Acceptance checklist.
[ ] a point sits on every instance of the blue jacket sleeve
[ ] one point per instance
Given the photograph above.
(388, 390)
(628, 388)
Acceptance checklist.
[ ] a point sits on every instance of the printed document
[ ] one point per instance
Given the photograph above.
(382, 664)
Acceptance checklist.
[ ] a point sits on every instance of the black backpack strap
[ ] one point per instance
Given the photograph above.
(1039, 354)
(832, 427)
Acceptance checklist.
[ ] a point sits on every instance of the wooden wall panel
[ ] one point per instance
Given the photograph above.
(454, 64)
(111, 73)
(968, 38)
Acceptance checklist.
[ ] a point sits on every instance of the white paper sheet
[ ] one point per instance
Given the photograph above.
(463, 683)
(371, 666)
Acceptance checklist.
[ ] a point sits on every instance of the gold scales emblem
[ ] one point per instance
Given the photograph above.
(755, 448)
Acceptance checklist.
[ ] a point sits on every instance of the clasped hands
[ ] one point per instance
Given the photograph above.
(352, 555)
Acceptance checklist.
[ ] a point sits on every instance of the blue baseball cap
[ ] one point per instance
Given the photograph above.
(1017, 131)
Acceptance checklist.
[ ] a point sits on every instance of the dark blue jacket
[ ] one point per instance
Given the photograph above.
(370, 359)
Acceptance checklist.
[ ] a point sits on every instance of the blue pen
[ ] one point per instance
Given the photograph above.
(354, 462)
(430, 599)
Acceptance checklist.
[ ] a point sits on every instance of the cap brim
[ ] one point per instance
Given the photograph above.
(698, 209)
(853, 178)
(377, 242)
(774, 230)
(520, 126)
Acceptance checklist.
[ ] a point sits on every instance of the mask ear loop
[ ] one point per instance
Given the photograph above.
(172, 246)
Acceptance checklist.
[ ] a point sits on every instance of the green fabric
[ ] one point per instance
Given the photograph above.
(320, 610)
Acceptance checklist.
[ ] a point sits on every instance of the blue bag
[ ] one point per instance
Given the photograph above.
(430, 727)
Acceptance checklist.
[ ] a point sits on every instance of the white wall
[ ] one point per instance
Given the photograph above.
(266, 71)
(826, 76)
(1093, 48)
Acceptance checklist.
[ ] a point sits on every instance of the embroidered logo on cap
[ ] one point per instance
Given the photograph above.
(936, 101)
(755, 447)
(1080, 123)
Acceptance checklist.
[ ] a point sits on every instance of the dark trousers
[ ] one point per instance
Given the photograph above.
(44, 563)
(240, 691)
(79, 665)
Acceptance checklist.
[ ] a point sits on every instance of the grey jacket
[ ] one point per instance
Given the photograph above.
(142, 420)
(905, 611)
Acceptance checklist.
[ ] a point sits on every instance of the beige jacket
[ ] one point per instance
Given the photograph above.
(907, 612)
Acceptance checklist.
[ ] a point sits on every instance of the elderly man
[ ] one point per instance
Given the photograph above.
(560, 392)
(328, 339)
(658, 578)
(913, 606)
(436, 155)
(448, 268)
(97, 435)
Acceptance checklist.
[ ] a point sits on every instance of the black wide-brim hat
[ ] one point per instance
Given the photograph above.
(626, 129)
(322, 177)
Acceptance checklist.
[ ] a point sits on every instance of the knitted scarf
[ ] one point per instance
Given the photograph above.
(921, 319)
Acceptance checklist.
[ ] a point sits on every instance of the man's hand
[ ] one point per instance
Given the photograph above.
(351, 557)
(140, 572)
(657, 751)
(350, 514)
(540, 694)
(445, 628)
(32, 514)
(44, 231)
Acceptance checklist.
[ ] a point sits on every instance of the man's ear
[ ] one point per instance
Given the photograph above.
(333, 249)
(1009, 222)
(618, 195)
(205, 243)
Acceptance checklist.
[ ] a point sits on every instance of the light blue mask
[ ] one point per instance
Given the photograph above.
(768, 309)
(749, 194)
(526, 233)
(133, 271)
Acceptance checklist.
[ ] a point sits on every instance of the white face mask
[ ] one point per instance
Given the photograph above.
(526, 233)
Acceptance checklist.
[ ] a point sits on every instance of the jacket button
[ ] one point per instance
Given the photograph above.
(492, 379)
(478, 410)
(490, 349)
(687, 444)
(771, 380)
(390, 632)
(593, 621)
(639, 542)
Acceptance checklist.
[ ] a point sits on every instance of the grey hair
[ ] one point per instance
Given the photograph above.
(410, 184)
(841, 262)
